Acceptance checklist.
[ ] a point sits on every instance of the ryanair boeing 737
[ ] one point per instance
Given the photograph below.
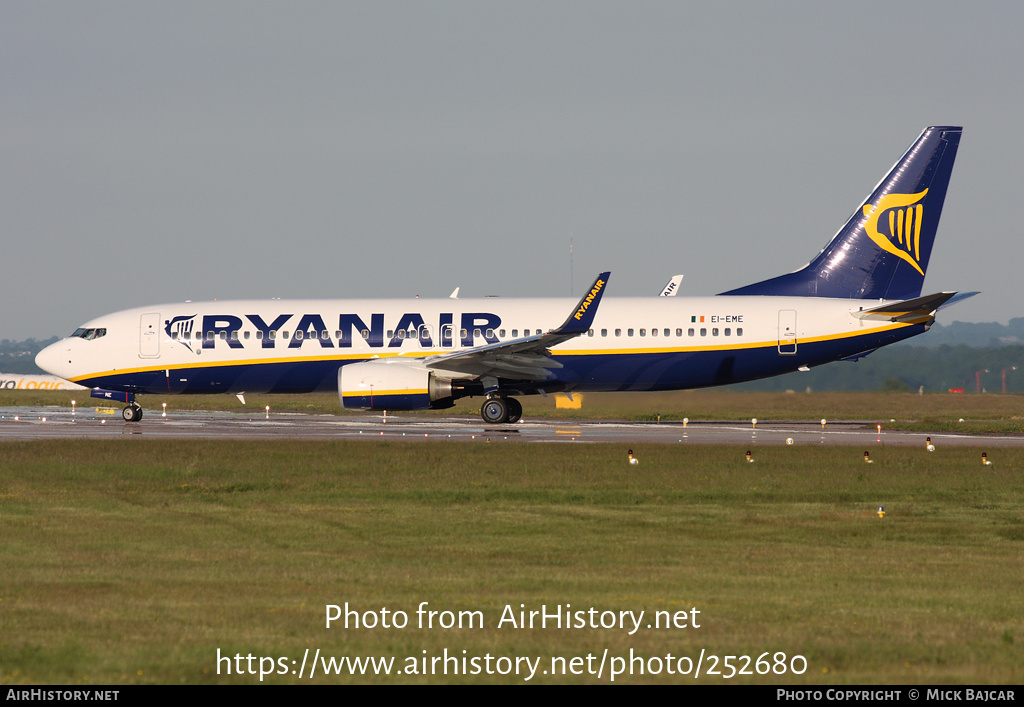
(863, 291)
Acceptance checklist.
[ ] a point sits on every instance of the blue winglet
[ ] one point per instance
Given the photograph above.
(583, 315)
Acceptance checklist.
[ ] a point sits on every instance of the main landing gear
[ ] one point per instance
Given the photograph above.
(132, 413)
(498, 411)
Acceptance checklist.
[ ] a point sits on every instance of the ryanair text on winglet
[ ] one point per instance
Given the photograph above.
(589, 298)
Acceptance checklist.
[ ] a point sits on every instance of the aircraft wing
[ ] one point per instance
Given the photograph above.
(529, 357)
(913, 311)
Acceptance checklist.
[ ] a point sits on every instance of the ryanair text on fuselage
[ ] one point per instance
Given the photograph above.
(311, 329)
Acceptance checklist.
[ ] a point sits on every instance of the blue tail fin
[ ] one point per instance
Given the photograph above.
(882, 252)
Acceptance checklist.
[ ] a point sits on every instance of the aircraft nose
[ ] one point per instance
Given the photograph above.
(51, 359)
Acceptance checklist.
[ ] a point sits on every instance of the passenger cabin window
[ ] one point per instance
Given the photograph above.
(604, 332)
(703, 332)
(739, 331)
(629, 332)
(618, 332)
(689, 332)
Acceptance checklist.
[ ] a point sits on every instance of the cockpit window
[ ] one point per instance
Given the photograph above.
(89, 334)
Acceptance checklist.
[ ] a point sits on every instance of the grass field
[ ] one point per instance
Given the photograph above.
(134, 561)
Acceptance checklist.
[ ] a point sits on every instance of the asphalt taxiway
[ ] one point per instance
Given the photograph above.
(31, 423)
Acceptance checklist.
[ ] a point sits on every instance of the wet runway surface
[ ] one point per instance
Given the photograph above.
(92, 423)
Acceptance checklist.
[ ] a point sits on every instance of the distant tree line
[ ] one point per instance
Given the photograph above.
(971, 334)
(895, 368)
(20, 356)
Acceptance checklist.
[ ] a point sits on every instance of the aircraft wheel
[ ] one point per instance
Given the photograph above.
(132, 413)
(515, 410)
(494, 411)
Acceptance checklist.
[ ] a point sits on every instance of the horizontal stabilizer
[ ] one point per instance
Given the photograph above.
(911, 311)
(958, 298)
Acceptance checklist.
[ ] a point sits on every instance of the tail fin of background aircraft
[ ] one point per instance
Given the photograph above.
(882, 252)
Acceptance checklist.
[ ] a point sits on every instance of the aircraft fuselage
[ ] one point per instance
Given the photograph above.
(297, 346)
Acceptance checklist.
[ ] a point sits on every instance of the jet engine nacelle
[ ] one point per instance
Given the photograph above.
(381, 385)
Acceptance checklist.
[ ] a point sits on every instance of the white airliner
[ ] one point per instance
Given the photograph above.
(863, 291)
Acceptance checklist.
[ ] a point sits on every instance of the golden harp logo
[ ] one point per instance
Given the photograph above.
(904, 214)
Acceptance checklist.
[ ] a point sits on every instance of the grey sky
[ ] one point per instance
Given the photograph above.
(155, 152)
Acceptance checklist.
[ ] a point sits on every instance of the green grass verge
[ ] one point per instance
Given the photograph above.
(135, 561)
